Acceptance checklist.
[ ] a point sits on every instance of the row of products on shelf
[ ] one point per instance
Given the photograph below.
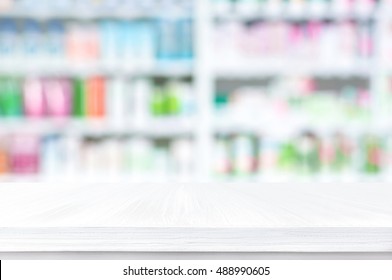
(307, 154)
(139, 43)
(95, 97)
(23, 154)
(253, 7)
(128, 5)
(321, 42)
(237, 155)
(300, 99)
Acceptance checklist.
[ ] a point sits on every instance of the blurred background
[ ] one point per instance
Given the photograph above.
(202, 90)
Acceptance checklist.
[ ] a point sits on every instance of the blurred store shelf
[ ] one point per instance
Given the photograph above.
(166, 127)
(91, 13)
(169, 69)
(286, 127)
(260, 69)
(293, 16)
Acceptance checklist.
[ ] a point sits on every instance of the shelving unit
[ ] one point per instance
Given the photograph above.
(204, 73)
(372, 69)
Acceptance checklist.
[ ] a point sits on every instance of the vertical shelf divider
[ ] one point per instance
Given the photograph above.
(204, 82)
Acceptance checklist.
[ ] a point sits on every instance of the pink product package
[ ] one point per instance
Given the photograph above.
(24, 157)
(57, 97)
(33, 97)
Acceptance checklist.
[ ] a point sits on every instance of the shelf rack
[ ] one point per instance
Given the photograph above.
(204, 74)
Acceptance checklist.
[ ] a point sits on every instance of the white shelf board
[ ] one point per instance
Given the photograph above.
(260, 68)
(164, 69)
(306, 15)
(163, 127)
(274, 126)
(196, 217)
(88, 13)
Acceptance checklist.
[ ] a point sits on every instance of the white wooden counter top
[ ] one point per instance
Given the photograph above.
(196, 217)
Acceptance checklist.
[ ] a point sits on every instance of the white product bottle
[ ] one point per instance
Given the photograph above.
(181, 151)
(188, 99)
(221, 157)
(117, 101)
(139, 156)
(52, 155)
(141, 92)
(111, 161)
(244, 156)
(72, 162)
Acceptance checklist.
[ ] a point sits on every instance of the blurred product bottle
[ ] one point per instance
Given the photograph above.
(309, 152)
(91, 156)
(171, 99)
(285, 157)
(10, 97)
(73, 151)
(269, 157)
(182, 152)
(388, 155)
(373, 154)
(142, 94)
(9, 42)
(4, 160)
(53, 155)
(157, 102)
(91, 51)
(168, 48)
(33, 98)
(138, 155)
(79, 103)
(33, 42)
(96, 97)
(119, 102)
(110, 41)
(24, 154)
(111, 156)
(162, 165)
(58, 97)
(55, 43)
(342, 153)
(222, 161)
(327, 153)
(244, 155)
(140, 44)
(384, 103)
(82, 42)
(365, 40)
(145, 45)
(187, 99)
(185, 39)
(171, 103)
